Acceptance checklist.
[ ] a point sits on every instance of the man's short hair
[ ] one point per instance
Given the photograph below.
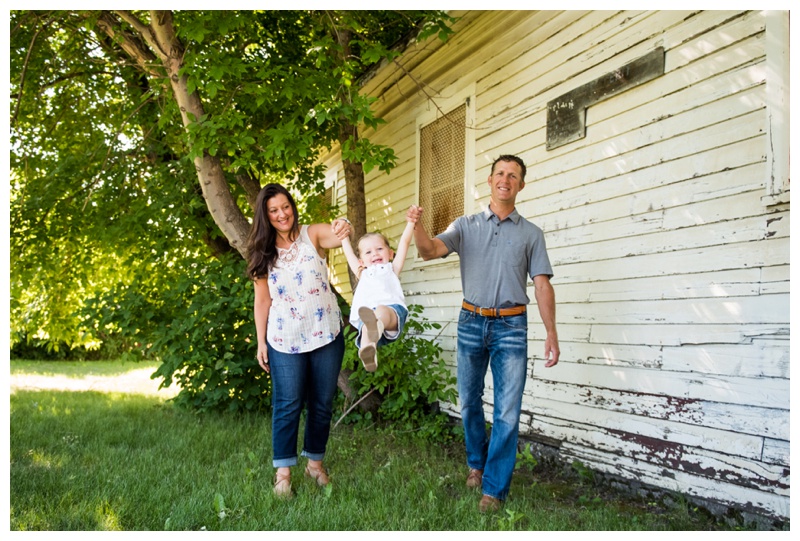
(511, 158)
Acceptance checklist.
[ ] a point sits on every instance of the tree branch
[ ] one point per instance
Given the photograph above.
(25, 70)
(352, 407)
(251, 187)
(131, 43)
(143, 30)
(164, 38)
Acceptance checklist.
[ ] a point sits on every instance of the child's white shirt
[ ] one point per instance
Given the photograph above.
(378, 284)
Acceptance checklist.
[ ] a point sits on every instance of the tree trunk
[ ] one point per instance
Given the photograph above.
(356, 207)
(251, 187)
(158, 42)
(226, 213)
(167, 49)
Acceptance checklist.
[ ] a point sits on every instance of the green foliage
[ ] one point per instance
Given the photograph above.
(209, 348)
(585, 474)
(112, 243)
(202, 330)
(103, 188)
(509, 520)
(412, 379)
(525, 459)
(37, 349)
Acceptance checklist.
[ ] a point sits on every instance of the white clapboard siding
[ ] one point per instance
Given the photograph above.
(736, 283)
(578, 189)
(630, 154)
(716, 310)
(776, 279)
(645, 208)
(734, 418)
(617, 241)
(752, 360)
(735, 390)
(762, 253)
(671, 273)
(535, 93)
(681, 335)
(624, 447)
(776, 451)
(722, 492)
(755, 361)
(647, 97)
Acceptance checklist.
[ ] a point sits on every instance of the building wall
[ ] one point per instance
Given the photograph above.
(667, 227)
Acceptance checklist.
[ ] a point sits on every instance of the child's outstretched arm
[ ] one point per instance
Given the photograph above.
(352, 259)
(402, 246)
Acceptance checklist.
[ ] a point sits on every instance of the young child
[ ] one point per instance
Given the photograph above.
(379, 307)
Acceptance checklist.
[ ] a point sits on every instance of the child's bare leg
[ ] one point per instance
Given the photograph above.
(388, 317)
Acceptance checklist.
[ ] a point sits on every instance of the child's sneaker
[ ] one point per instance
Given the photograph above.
(370, 334)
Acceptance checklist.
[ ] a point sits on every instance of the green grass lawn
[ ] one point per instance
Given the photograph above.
(79, 369)
(107, 460)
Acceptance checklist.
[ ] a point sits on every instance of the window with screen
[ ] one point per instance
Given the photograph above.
(441, 169)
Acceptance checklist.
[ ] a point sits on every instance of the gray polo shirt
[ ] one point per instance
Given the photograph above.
(497, 257)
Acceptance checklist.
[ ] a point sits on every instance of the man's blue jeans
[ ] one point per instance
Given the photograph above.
(303, 379)
(502, 343)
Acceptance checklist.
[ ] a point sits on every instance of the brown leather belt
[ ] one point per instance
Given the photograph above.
(494, 312)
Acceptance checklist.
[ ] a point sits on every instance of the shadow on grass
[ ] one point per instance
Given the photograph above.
(112, 460)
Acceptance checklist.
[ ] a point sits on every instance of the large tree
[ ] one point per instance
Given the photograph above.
(140, 139)
(108, 105)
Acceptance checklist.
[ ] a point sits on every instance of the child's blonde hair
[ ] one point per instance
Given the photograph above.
(370, 235)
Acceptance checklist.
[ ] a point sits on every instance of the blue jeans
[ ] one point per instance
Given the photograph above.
(303, 380)
(502, 343)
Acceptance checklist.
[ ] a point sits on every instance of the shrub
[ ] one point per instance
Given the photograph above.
(210, 348)
(201, 329)
(411, 378)
(29, 348)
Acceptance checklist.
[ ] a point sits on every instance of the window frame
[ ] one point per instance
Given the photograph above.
(435, 110)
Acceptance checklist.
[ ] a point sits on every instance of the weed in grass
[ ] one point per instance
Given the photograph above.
(525, 459)
(509, 520)
(585, 474)
(587, 500)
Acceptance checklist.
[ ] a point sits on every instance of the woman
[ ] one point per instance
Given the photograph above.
(298, 325)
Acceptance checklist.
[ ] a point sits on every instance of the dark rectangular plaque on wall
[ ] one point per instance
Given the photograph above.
(566, 115)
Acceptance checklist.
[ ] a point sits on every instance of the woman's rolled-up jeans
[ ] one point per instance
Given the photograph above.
(303, 380)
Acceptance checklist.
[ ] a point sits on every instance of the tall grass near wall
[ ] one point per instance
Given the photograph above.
(95, 460)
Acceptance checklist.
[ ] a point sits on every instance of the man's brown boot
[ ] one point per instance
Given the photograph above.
(489, 504)
(474, 478)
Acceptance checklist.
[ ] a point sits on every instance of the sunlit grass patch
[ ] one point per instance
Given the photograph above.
(108, 460)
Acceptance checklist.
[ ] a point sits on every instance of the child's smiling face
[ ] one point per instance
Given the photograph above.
(373, 250)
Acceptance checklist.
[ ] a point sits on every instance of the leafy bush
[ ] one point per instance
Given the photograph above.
(210, 348)
(411, 378)
(201, 329)
(41, 349)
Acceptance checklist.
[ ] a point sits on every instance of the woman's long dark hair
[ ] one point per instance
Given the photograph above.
(262, 251)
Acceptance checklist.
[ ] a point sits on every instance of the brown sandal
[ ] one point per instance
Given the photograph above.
(318, 474)
(283, 485)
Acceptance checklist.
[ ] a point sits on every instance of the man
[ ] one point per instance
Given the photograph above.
(498, 249)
